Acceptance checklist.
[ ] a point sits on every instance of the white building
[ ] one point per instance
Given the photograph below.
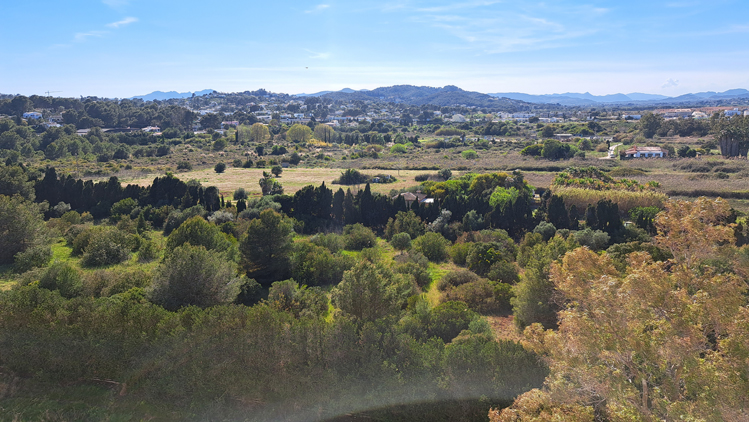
(32, 115)
(645, 152)
(459, 118)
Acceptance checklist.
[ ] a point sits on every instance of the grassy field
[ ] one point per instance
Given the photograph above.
(292, 179)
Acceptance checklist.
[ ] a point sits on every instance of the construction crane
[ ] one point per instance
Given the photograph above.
(51, 92)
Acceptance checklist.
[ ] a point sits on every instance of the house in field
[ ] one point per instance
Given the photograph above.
(645, 152)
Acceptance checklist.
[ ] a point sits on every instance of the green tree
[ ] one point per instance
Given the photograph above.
(107, 247)
(324, 133)
(432, 245)
(269, 185)
(547, 131)
(194, 276)
(276, 170)
(258, 132)
(299, 133)
(371, 291)
(198, 232)
(21, 227)
(405, 222)
(220, 167)
(401, 241)
(15, 181)
(533, 294)
(359, 237)
(266, 245)
(650, 123)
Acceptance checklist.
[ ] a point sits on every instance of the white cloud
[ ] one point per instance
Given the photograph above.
(670, 83)
(127, 21)
(82, 36)
(318, 8)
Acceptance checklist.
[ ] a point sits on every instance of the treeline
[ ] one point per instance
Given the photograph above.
(654, 124)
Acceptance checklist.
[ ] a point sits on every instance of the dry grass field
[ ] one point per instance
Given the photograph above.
(292, 179)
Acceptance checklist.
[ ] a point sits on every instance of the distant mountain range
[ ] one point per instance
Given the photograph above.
(575, 99)
(443, 96)
(161, 96)
(451, 95)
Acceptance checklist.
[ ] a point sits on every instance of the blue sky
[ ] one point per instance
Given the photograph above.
(122, 48)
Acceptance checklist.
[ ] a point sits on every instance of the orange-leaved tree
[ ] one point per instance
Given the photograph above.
(659, 341)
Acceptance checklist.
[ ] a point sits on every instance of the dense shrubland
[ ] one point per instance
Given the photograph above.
(297, 302)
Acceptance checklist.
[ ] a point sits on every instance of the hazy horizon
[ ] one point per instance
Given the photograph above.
(126, 48)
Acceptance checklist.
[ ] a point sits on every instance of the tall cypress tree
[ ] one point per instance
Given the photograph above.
(337, 206)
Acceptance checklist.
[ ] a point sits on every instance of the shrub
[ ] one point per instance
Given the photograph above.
(331, 241)
(63, 277)
(532, 150)
(105, 283)
(198, 232)
(123, 207)
(184, 165)
(456, 278)
(459, 252)
(351, 177)
(194, 276)
(240, 193)
(220, 168)
(315, 265)
(504, 272)
(373, 254)
(107, 247)
(483, 255)
(417, 266)
(448, 319)
(398, 149)
(445, 174)
(36, 256)
(405, 222)
(301, 301)
(148, 251)
(481, 296)
(401, 242)
(469, 154)
(546, 230)
(250, 292)
(359, 237)
(595, 240)
(432, 245)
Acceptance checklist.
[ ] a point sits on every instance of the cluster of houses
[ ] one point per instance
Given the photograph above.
(701, 113)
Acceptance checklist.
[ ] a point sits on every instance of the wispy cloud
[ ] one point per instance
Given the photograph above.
(458, 6)
(490, 28)
(127, 21)
(318, 8)
(116, 3)
(83, 36)
(317, 55)
(670, 83)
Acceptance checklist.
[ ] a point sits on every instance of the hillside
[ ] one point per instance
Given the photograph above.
(420, 95)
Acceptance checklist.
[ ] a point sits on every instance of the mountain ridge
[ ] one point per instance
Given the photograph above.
(161, 95)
